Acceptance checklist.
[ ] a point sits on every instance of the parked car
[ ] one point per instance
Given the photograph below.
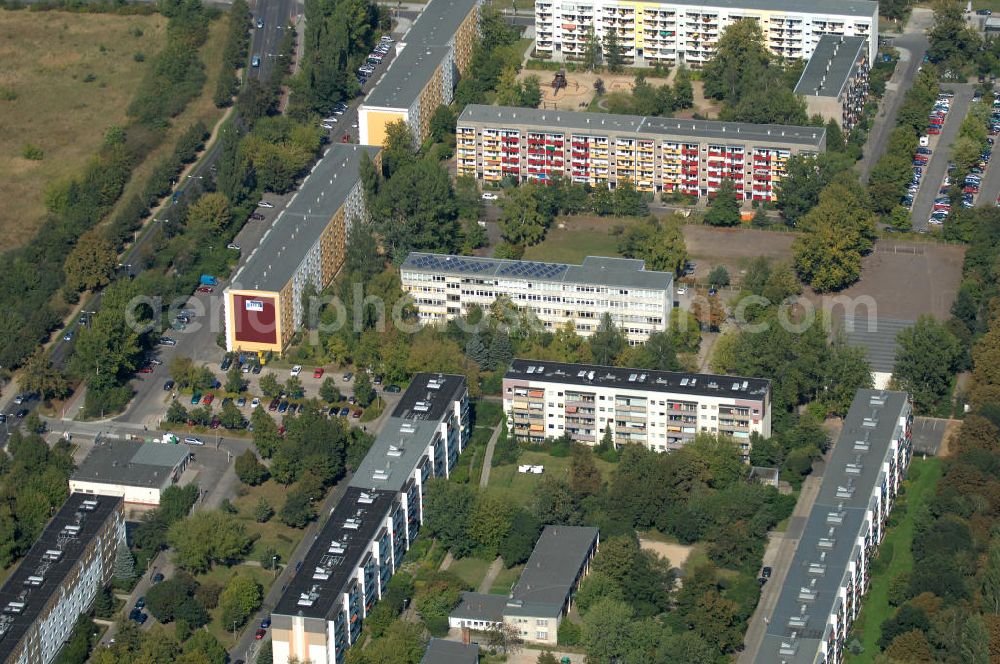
(283, 407)
(255, 402)
(296, 370)
(209, 398)
(356, 414)
(348, 377)
(260, 634)
(265, 623)
(318, 372)
(275, 402)
(255, 61)
(265, 204)
(167, 341)
(205, 289)
(196, 398)
(158, 577)
(490, 196)
(393, 389)
(242, 401)
(345, 411)
(168, 385)
(257, 216)
(191, 440)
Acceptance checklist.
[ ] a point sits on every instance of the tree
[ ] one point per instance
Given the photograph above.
(297, 511)
(240, 599)
(520, 540)
(234, 379)
(489, 522)
(294, 388)
(262, 511)
(593, 52)
(531, 92)
(206, 538)
(724, 209)
(328, 391)
(447, 506)
(605, 631)
(584, 476)
(504, 637)
(398, 148)
(524, 220)
(265, 433)
(826, 260)
(628, 202)
(363, 389)
(40, 376)
(210, 214)
(926, 358)
(847, 371)
(124, 562)
(91, 263)
(613, 51)
(202, 643)
(442, 126)
(659, 242)
(269, 385)
(975, 641)
(501, 351)
(508, 88)
(546, 657)
(476, 351)
(249, 470)
(607, 341)
(719, 276)
(230, 416)
(991, 578)
(683, 92)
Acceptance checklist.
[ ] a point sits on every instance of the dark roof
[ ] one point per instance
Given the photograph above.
(595, 270)
(88, 513)
(830, 66)
(593, 375)
(682, 129)
(299, 226)
(552, 569)
(879, 342)
(480, 606)
(424, 46)
(872, 421)
(131, 463)
(440, 651)
(365, 512)
(406, 434)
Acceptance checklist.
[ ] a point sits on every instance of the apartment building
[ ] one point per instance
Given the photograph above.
(685, 32)
(835, 80)
(543, 595)
(668, 155)
(304, 245)
(59, 578)
(430, 58)
(347, 569)
(662, 410)
(830, 573)
(639, 301)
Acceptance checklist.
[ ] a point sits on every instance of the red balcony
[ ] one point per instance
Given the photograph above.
(689, 152)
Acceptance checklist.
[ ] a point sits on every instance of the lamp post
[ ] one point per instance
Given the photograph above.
(274, 565)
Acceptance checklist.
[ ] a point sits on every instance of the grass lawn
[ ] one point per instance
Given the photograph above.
(221, 575)
(273, 533)
(517, 487)
(67, 77)
(581, 237)
(923, 478)
(471, 570)
(505, 580)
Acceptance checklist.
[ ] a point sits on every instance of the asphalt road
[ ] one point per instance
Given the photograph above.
(937, 167)
(990, 190)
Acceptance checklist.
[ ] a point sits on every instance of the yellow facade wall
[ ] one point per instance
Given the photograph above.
(376, 122)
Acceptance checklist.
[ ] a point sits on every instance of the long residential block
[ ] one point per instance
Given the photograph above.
(831, 571)
(662, 410)
(835, 80)
(685, 32)
(639, 301)
(59, 578)
(430, 58)
(348, 567)
(668, 155)
(304, 246)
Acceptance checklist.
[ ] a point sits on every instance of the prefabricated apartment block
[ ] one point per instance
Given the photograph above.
(304, 246)
(831, 570)
(685, 32)
(430, 58)
(348, 567)
(662, 410)
(669, 155)
(59, 578)
(835, 80)
(638, 300)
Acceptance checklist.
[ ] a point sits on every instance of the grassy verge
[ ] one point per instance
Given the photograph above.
(505, 580)
(273, 533)
(923, 478)
(221, 575)
(570, 245)
(471, 570)
(517, 487)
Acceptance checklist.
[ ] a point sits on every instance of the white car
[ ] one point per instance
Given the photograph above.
(265, 204)
(255, 402)
(682, 290)
(490, 196)
(296, 370)
(191, 440)
(233, 246)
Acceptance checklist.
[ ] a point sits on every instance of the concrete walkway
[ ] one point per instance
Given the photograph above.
(484, 478)
(491, 575)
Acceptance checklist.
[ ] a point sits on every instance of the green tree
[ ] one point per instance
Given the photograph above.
(265, 433)
(262, 511)
(827, 259)
(607, 341)
(328, 391)
(659, 242)
(724, 209)
(206, 538)
(442, 126)
(593, 51)
(520, 540)
(628, 202)
(249, 470)
(234, 379)
(524, 219)
(531, 92)
(240, 599)
(297, 511)
(613, 50)
(230, 416)
(501, 351)
(124, 562)
(719, 276)
(363, 389)
(269, 385)
(40, 376)
(210, 214)
(605, 631)
(447, 507)
(489, 523)
(683, 92)
(509, 88)
(398, 148)
(926, 359)
(90, 264)
(294, 388)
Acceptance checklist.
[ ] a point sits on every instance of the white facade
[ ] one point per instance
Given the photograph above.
(140, 495)
(661, 410)
(686, 33)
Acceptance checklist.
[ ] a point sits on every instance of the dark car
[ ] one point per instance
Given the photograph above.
(21, 414)
(766, 572)
(256, 369)
(275, 402)
(227, 361)
(393, 389)
(168, 385)
(257, 216)
(345, 411)
(283, 407)
(158, 577)
(265, 623)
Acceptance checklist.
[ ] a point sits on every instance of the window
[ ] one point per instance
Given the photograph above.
(542, 636)
(542, 622)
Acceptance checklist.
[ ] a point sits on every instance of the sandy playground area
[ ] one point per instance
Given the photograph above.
(677, 554)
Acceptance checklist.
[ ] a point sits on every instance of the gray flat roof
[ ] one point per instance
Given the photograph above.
(830, 66)
(424, 46)
(440, 651)
(551, 571)
(682, 129)
(595, 375)
(18, 588)
(411, 427)
(834, 7)
(479, 606)
(879, 343)
(836, 550)
(299, 226)
(131, 463)
(595, 270)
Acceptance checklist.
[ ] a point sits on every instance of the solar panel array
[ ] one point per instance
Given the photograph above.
(454, 264)
(531, 269)
(500, 268)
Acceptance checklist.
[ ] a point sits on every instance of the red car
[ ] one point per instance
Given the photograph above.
(260, 634)
(207, 401)
(930, 130)
(206, 289)
(318, 373)
(146, 369)
(356, 414)
(971, 190)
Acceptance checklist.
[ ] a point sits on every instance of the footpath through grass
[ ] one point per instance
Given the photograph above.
(923, 478)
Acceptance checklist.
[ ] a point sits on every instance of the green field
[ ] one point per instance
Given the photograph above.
(471, 570)
(273, 533)
(581, 237)
(923, 478)
(517, 487)
(505, 580)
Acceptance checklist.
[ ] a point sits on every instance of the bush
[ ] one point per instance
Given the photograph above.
(32, 152)
(437, 625)
(569, 633)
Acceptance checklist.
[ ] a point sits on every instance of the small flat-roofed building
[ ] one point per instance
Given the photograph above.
(835, 80)
(304, 246)
(136, 471)
(544, 593)
(430, 58)
(59, 578)
(639, 300)
(669, 155)
(440, 651)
